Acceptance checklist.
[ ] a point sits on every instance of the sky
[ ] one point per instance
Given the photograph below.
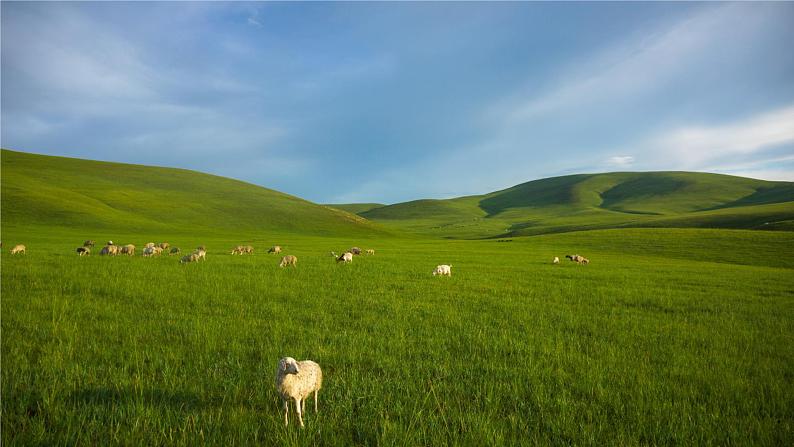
(389, 102)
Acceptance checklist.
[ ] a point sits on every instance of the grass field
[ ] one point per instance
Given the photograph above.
(669, 336)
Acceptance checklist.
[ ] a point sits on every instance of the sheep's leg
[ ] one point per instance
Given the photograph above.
(286, 411)
(300, 413)
(303, 405)
(315, 400)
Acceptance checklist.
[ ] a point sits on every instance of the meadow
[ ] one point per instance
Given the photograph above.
(668, 337)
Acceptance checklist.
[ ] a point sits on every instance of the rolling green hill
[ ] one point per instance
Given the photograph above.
(593, 201)
(355, 208)
(45, 191)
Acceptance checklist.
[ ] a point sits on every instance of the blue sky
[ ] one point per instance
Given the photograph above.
(387, 102)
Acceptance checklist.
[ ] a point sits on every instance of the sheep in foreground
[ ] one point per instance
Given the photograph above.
(276, 249)
(89, 243)
(556, 260)
(128, 250)
(370, 251)
(345, 257)
(289, 260)
(443, 270)
(193, 257)
(18, 249)
(83, 251)
(297, 381)
(174, 251)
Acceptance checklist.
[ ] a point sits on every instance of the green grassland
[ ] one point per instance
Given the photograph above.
(596, 201)
(669, 336)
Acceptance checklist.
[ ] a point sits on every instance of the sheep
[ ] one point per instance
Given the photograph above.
(89, 243)
(110, 242)
(442, 270)
(248, 249)
(174, 251)
(238, 250)
(346, 257)
(149, 245)
(164, 245)
(193, 257)
(297, 381)
(201, 247)
(370, 251)
(355, 250)
(128, 249)
(18, 249)
(83, 251)
(276, 249)
(148, 251)
(111, 250)
(200, 254)
(583, 260)
(556, 260)
(289, 260)
(570, 257)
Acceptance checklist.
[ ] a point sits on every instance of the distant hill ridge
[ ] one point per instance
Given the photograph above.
(41, 190)
(587, 201)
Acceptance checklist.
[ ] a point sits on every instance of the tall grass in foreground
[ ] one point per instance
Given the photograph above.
(644, 346)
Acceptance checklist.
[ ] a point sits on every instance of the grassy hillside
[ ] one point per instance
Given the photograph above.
(355, 208)
(592, 201)
(668, 337)
(45, 191)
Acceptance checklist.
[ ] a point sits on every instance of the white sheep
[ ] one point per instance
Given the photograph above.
(443, 269)
(128, 249)
(18, 249)
(298, 380)
(149, 245)
(370, 251)
(289, 260)
(200, 254)
(276, 249)
(346, 257)
(556, 260)
(83, 251)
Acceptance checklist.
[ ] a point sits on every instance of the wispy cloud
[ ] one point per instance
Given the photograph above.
(621, 161)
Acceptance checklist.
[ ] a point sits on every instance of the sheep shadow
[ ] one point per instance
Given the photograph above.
(112, 397)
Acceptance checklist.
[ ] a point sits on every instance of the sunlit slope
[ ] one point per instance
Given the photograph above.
(592, 201)
(47, 191)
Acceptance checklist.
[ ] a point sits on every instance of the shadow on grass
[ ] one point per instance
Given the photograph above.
(122, 397)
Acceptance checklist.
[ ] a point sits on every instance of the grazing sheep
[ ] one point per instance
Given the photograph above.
(443, 269)
(238, 250)
(370, 251)
(152, 251)
(355, 250)
(297, 381)
(289, 260)
(83, 251)
(346, 257)
(249, 249)
(556, 260)
(89, 243)
(570, 257)
(18, 249)
(164, 245)
(276, 249)
(174, 251)
(149, 245)
(201, 247)
(583, 260)
(201, 254)
(193, 257)
(128, 250)
(111, 250)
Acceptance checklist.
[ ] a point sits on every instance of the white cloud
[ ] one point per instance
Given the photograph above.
(694, 147)
(621, 161)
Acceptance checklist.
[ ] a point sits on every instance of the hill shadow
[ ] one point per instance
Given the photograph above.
(762, 196)
(537, 193)
(153, 397)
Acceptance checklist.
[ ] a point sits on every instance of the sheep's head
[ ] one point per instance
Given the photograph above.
(288, 365)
